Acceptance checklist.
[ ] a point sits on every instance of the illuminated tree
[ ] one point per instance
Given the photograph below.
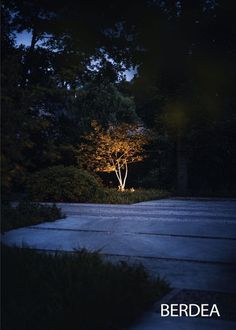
(111, 150)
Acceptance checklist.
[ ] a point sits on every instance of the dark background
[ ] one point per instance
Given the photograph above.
(169, 64)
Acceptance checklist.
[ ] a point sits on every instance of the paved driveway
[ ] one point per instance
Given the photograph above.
(192, 243)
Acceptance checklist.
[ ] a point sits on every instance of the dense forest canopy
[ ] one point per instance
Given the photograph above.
(72, 73)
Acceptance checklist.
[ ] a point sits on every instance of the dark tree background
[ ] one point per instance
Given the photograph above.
(73, 72)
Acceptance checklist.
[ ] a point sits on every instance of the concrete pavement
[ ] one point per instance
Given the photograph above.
(192, 243)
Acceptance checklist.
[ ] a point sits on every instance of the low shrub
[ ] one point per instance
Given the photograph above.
(73, 291)
(129, 196)
(63, 184)
(27, 214)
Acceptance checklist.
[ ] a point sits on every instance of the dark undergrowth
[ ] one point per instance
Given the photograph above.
(72, 291)
(27, 214)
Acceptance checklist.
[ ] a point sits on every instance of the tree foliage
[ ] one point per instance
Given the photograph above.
(111, 150)
(71, 73)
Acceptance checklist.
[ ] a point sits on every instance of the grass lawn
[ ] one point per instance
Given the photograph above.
(72, 291)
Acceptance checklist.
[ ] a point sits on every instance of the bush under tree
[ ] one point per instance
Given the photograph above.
(63, 184)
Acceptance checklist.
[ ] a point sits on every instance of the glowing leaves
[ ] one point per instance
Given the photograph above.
(113, 149)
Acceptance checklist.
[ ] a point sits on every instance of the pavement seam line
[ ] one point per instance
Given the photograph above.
(135, 233)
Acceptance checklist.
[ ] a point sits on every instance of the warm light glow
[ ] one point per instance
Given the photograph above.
(113, 149)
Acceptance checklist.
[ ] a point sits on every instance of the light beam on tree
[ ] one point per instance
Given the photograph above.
(113, 149)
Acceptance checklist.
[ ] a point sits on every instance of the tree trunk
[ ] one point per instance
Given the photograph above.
(125, 177)
(122, 180)
(182, 168)
(33, 40)
(28, 67)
